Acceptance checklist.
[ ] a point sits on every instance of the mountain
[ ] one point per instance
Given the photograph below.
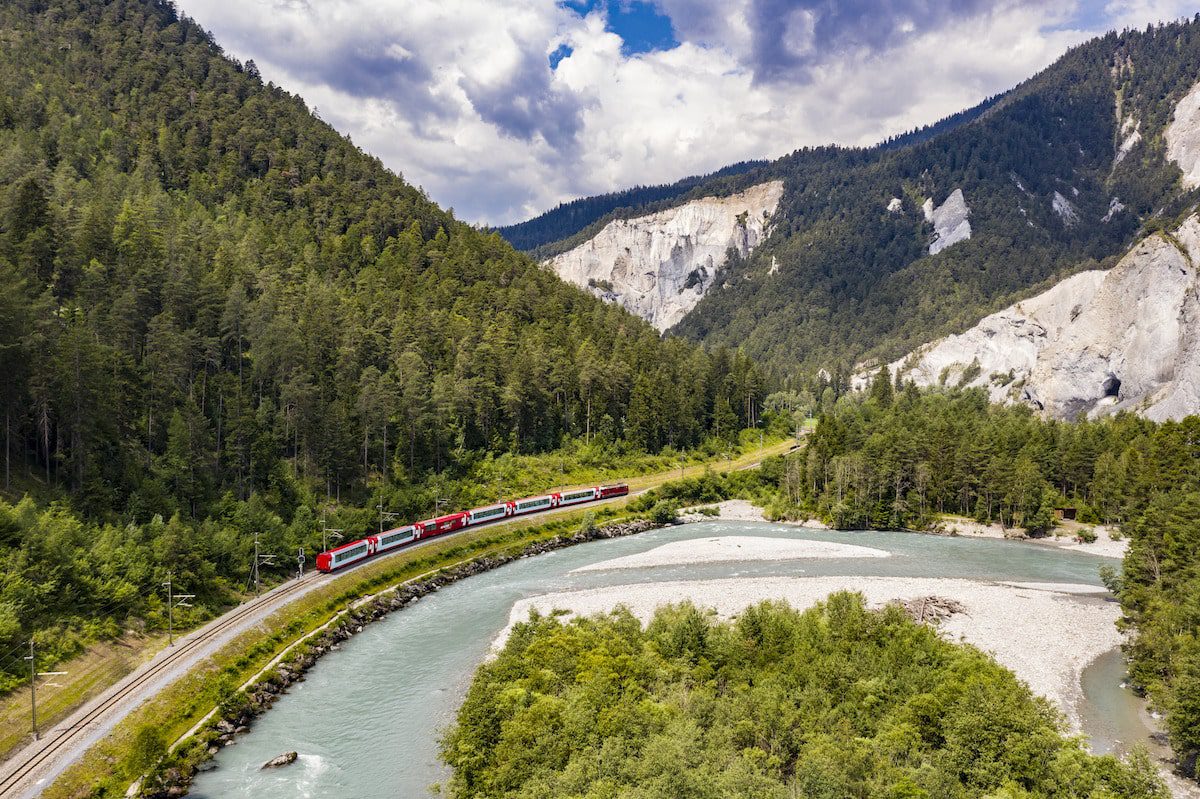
(1098, 342)
(569, 219)
(218, 317)
(213, 281)
(688, 244)
(872, 251)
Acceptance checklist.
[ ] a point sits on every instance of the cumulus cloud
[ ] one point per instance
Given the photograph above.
(464, 98)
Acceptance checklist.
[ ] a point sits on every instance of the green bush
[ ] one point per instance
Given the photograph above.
(663, 512)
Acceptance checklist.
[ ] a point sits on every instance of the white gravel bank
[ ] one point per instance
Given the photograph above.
(732, 548)
(1044, 635)
(1104, 545)
(739, 510)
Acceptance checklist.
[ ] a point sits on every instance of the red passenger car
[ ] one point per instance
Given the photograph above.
(442, 524)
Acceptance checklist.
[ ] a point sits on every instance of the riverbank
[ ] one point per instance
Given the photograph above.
(740, 510)
(1046, 635)
(1104, 546)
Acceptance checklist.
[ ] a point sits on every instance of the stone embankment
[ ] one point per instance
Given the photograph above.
(239, 711)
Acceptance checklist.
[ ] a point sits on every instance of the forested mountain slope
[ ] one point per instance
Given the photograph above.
(876, 250)
(214, 306)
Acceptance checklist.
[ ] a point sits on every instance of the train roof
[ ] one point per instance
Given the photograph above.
(353, 543)
(449, 517)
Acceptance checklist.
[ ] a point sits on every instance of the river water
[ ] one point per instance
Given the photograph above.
(367, 719)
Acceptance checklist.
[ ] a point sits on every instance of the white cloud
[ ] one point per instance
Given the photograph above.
(459, 97)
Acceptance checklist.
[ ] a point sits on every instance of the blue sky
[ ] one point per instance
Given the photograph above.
(643, 27)
(503, 109)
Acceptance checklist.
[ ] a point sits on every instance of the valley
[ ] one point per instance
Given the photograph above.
(900, 429)
(439, 642)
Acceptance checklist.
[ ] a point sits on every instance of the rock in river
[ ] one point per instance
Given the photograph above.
(286, 759)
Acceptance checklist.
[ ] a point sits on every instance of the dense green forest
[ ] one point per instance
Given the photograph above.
(897, 459)
(217, 316)
(834, 702)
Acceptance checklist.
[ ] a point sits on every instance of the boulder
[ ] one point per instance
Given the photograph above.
(286, 759)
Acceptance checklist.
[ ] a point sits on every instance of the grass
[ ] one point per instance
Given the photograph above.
(88, 675)
(107, 768)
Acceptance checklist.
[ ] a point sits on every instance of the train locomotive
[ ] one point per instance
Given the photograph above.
(372, 545)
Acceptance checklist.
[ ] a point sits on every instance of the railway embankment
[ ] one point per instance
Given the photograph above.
(172, 776)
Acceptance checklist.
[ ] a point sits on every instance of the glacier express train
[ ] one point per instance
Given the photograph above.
(373, 545)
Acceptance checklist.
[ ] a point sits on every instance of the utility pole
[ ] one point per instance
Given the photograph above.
(328, 533)
(384, 516)
(33, 675)
(260, 558)
(174, 601)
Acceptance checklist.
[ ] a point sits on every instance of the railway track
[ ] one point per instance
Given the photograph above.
(16, 774)
(62, 737)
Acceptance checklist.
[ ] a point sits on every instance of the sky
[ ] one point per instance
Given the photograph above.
(502, 110)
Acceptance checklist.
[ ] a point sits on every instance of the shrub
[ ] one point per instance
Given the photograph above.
(663, 512)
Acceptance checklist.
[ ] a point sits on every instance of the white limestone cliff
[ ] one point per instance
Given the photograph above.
(1097, 342)
(1183, 137)
(660, 265)
(950, 221)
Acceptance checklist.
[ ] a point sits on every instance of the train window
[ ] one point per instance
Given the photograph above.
(350, 553)
(487, 514)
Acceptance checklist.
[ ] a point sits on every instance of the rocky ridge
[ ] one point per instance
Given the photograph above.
(660, 265)
(1095, 343)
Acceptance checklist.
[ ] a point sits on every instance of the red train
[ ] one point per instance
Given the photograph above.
(373, 545)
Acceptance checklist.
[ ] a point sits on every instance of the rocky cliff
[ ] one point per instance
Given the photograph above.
(1098, 342)
(951, 223)
(660, 265)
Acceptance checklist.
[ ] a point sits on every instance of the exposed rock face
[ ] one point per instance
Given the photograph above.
(1066, 212)
(1131, 131)
(1115, 206)
(660, 265)
(950, 221)
(895, 206)
(1127, 338)
(1183, 137)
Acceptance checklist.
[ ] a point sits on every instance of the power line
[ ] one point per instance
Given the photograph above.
(260, 559)
(174, 601)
